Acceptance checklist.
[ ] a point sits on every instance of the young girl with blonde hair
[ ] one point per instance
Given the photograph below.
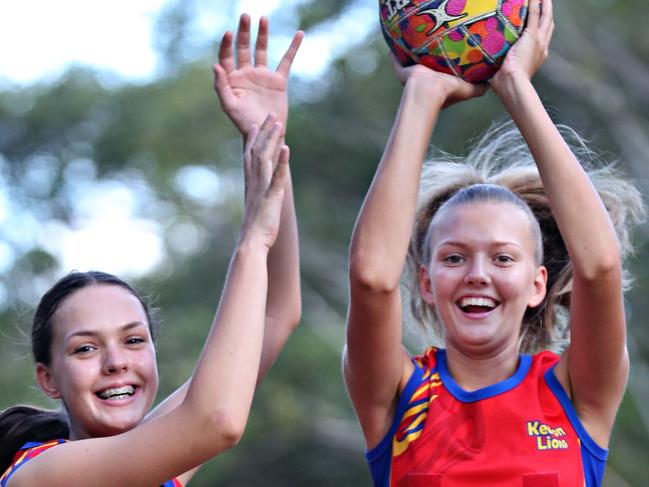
(511, 249)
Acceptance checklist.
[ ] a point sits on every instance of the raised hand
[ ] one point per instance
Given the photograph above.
(452, 88)
(265, 165)
(249, 92)
(529, 53)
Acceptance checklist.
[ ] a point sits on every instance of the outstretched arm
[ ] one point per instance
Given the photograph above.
(212, 416)
(248, 92)
(375, 363)
(595, 367)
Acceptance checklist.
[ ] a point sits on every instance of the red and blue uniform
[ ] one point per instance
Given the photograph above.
(522, 431)
(33, 449)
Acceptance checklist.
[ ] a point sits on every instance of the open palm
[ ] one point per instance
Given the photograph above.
(249, 92)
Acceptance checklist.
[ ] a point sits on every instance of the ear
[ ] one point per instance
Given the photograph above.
(46, 382)
(540, 287)
(425, 289)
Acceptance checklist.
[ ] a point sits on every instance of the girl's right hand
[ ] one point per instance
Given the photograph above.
(432, 83)
(265, 165)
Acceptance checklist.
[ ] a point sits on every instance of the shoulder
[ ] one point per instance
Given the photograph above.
(27, 452)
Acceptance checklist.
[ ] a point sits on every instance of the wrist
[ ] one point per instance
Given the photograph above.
(248, 247)
(423, 93)
(507, 84)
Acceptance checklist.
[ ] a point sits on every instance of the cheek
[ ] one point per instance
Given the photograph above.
(77, 374)
(516, 285)
(147, 363)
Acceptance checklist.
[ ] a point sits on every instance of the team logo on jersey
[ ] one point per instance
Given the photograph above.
(547, 437)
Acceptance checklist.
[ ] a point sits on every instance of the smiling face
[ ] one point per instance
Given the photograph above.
(482, 274)
(103, 363)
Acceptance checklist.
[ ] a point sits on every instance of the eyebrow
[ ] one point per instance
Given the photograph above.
(462, 245)
(86, 333)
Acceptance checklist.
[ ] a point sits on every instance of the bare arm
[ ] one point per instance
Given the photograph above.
(212, 416)
(594, 369)
(375, 363)
(248, 93)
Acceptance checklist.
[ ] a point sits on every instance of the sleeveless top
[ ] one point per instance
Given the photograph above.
(522, 431)
(33, 449)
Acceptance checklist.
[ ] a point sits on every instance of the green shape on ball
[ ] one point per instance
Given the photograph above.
(454, 47)
(510, 35)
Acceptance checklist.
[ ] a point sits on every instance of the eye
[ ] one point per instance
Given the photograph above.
(504, 259)
(84, 349)
(453, 259)
(135, 340)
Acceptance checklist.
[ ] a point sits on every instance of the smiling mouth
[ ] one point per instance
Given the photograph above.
(116, 393)
(477, 304)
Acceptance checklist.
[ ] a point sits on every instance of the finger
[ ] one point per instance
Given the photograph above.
(547, 18)
(222, 86)
(272, 143)
(533, 18)
(280, 172)
(226, 57)
(267, 125)
(253, 133)
(284, 65)
(261, 46)
(247, 159)
(265, 132)
(243, 41)
(266, 158)
(278, 148)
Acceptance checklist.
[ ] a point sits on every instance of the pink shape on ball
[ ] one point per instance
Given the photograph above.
(455, 7)
(455, 35)
(494, 43)
(508, 8)
(492, 24)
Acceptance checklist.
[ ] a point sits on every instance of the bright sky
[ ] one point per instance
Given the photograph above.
(40, 39)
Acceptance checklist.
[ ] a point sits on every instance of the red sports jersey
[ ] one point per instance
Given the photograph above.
(519, 432)
(33, 449)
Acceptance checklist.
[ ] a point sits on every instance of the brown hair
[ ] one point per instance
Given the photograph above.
(21, 424)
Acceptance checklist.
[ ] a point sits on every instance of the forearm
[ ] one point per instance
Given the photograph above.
(224, 380)
(284, 304)
(577, 208)
(382, 232)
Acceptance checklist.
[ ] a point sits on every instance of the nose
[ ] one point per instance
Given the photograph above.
(477, 274)
(114, 361)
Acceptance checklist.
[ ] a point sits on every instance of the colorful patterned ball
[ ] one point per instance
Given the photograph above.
(468, 38)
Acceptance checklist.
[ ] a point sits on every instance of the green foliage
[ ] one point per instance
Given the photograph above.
(302, 429)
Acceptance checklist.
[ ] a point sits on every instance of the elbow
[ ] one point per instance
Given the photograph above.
(607, 267)
(371, 279)
(228, 427)
(370, 272)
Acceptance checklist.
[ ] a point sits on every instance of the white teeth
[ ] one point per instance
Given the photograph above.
(117, 391)
(475, 301)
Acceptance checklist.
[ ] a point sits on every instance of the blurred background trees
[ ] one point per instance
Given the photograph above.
(165, 155)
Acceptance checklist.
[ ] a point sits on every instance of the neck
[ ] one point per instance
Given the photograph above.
(472, 371)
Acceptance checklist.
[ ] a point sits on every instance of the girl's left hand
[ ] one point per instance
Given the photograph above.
(265, 169)
(529, 53)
